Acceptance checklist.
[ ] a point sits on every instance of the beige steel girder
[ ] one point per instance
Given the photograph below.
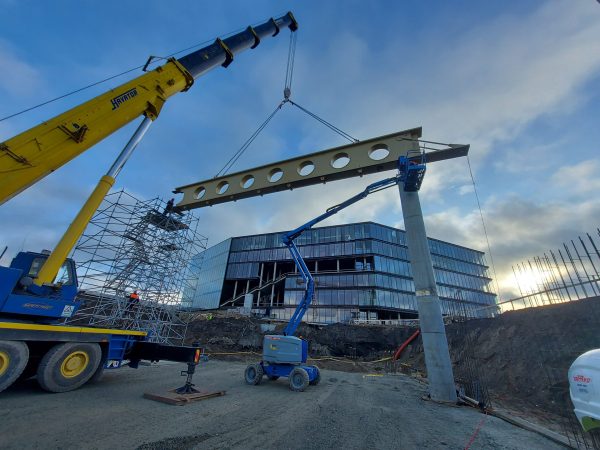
(362, 158)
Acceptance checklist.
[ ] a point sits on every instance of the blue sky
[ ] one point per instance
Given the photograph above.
(518, 80)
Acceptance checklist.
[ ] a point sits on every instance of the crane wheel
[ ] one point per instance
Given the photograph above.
(68, 366)
(298, 379)
(254, 374)
(13, 360)
(317, 379)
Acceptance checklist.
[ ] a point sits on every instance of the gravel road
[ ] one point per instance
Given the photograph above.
(347, 410)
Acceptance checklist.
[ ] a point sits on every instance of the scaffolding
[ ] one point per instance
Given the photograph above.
(139, 246)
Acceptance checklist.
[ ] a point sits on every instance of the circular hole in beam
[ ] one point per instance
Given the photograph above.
(379, 152)
(306, 168)
(247, 181)
(340, 161)
(222, 187)
(200, 192)
(275, 175)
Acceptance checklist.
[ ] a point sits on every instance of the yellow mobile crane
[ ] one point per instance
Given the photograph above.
(66, 357)
(33, 154)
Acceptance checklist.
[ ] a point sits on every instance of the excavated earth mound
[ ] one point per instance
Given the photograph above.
(521, 357)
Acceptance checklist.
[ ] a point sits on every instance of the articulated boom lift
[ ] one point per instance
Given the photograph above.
(285, 355)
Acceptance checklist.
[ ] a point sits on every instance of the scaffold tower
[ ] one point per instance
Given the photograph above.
(142, 247)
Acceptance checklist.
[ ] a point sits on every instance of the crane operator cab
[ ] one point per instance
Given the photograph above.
(20, 296)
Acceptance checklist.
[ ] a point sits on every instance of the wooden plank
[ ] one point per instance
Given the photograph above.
(173, 398)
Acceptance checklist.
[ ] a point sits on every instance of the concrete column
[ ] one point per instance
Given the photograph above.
(273, 285)
(262, 266)
(235, 288)
(337, 261)
(433, 332)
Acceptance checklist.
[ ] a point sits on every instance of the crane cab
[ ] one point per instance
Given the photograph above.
(20, 297)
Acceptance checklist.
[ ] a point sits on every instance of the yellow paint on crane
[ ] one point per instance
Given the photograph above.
(33, 154)
(74, 364)
(74, 232)
(67, 329)
(4, 362)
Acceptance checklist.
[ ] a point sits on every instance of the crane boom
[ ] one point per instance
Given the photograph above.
(33, 154)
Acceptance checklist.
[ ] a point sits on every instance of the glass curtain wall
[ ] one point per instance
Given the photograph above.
(361, 270)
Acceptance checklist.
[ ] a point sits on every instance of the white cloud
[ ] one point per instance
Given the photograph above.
(482, 87)
(18, 78)
(517, 229)
(580, 179)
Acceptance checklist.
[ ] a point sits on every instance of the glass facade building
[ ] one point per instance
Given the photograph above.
(361, 271)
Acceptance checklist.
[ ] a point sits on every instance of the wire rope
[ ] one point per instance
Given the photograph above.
(154, 59)
(247, 144)
(484, 229)
(287, 92)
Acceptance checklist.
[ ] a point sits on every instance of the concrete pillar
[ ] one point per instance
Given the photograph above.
(262, 266)
(273, 285)
(435, 344)
(235, 288)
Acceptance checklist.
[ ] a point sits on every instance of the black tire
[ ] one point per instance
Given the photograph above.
(30, 369)
(13, 360)
(273, 377)
(254, 374)
(67, 366)
(298, 379)
(98, 373)
(317, 379)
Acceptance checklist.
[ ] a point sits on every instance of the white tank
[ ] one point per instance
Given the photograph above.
(584, 387)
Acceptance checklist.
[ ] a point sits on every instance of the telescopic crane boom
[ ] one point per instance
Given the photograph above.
(33, 154)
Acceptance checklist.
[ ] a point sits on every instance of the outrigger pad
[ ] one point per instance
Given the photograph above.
(173, 398)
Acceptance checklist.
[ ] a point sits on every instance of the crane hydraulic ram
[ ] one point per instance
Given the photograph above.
(33, 154)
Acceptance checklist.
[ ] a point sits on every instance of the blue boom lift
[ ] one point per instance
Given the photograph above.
(285, 355)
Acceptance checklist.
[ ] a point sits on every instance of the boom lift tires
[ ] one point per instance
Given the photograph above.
(317, 379)
(299, 379)
(68, 366)
(13, 360)
(254, 374)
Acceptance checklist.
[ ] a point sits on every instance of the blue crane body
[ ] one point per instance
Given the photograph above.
(286, 355)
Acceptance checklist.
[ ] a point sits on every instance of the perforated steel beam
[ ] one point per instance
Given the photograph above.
(366, 157)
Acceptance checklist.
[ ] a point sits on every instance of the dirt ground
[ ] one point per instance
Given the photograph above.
(347, 410)
(520, 358)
